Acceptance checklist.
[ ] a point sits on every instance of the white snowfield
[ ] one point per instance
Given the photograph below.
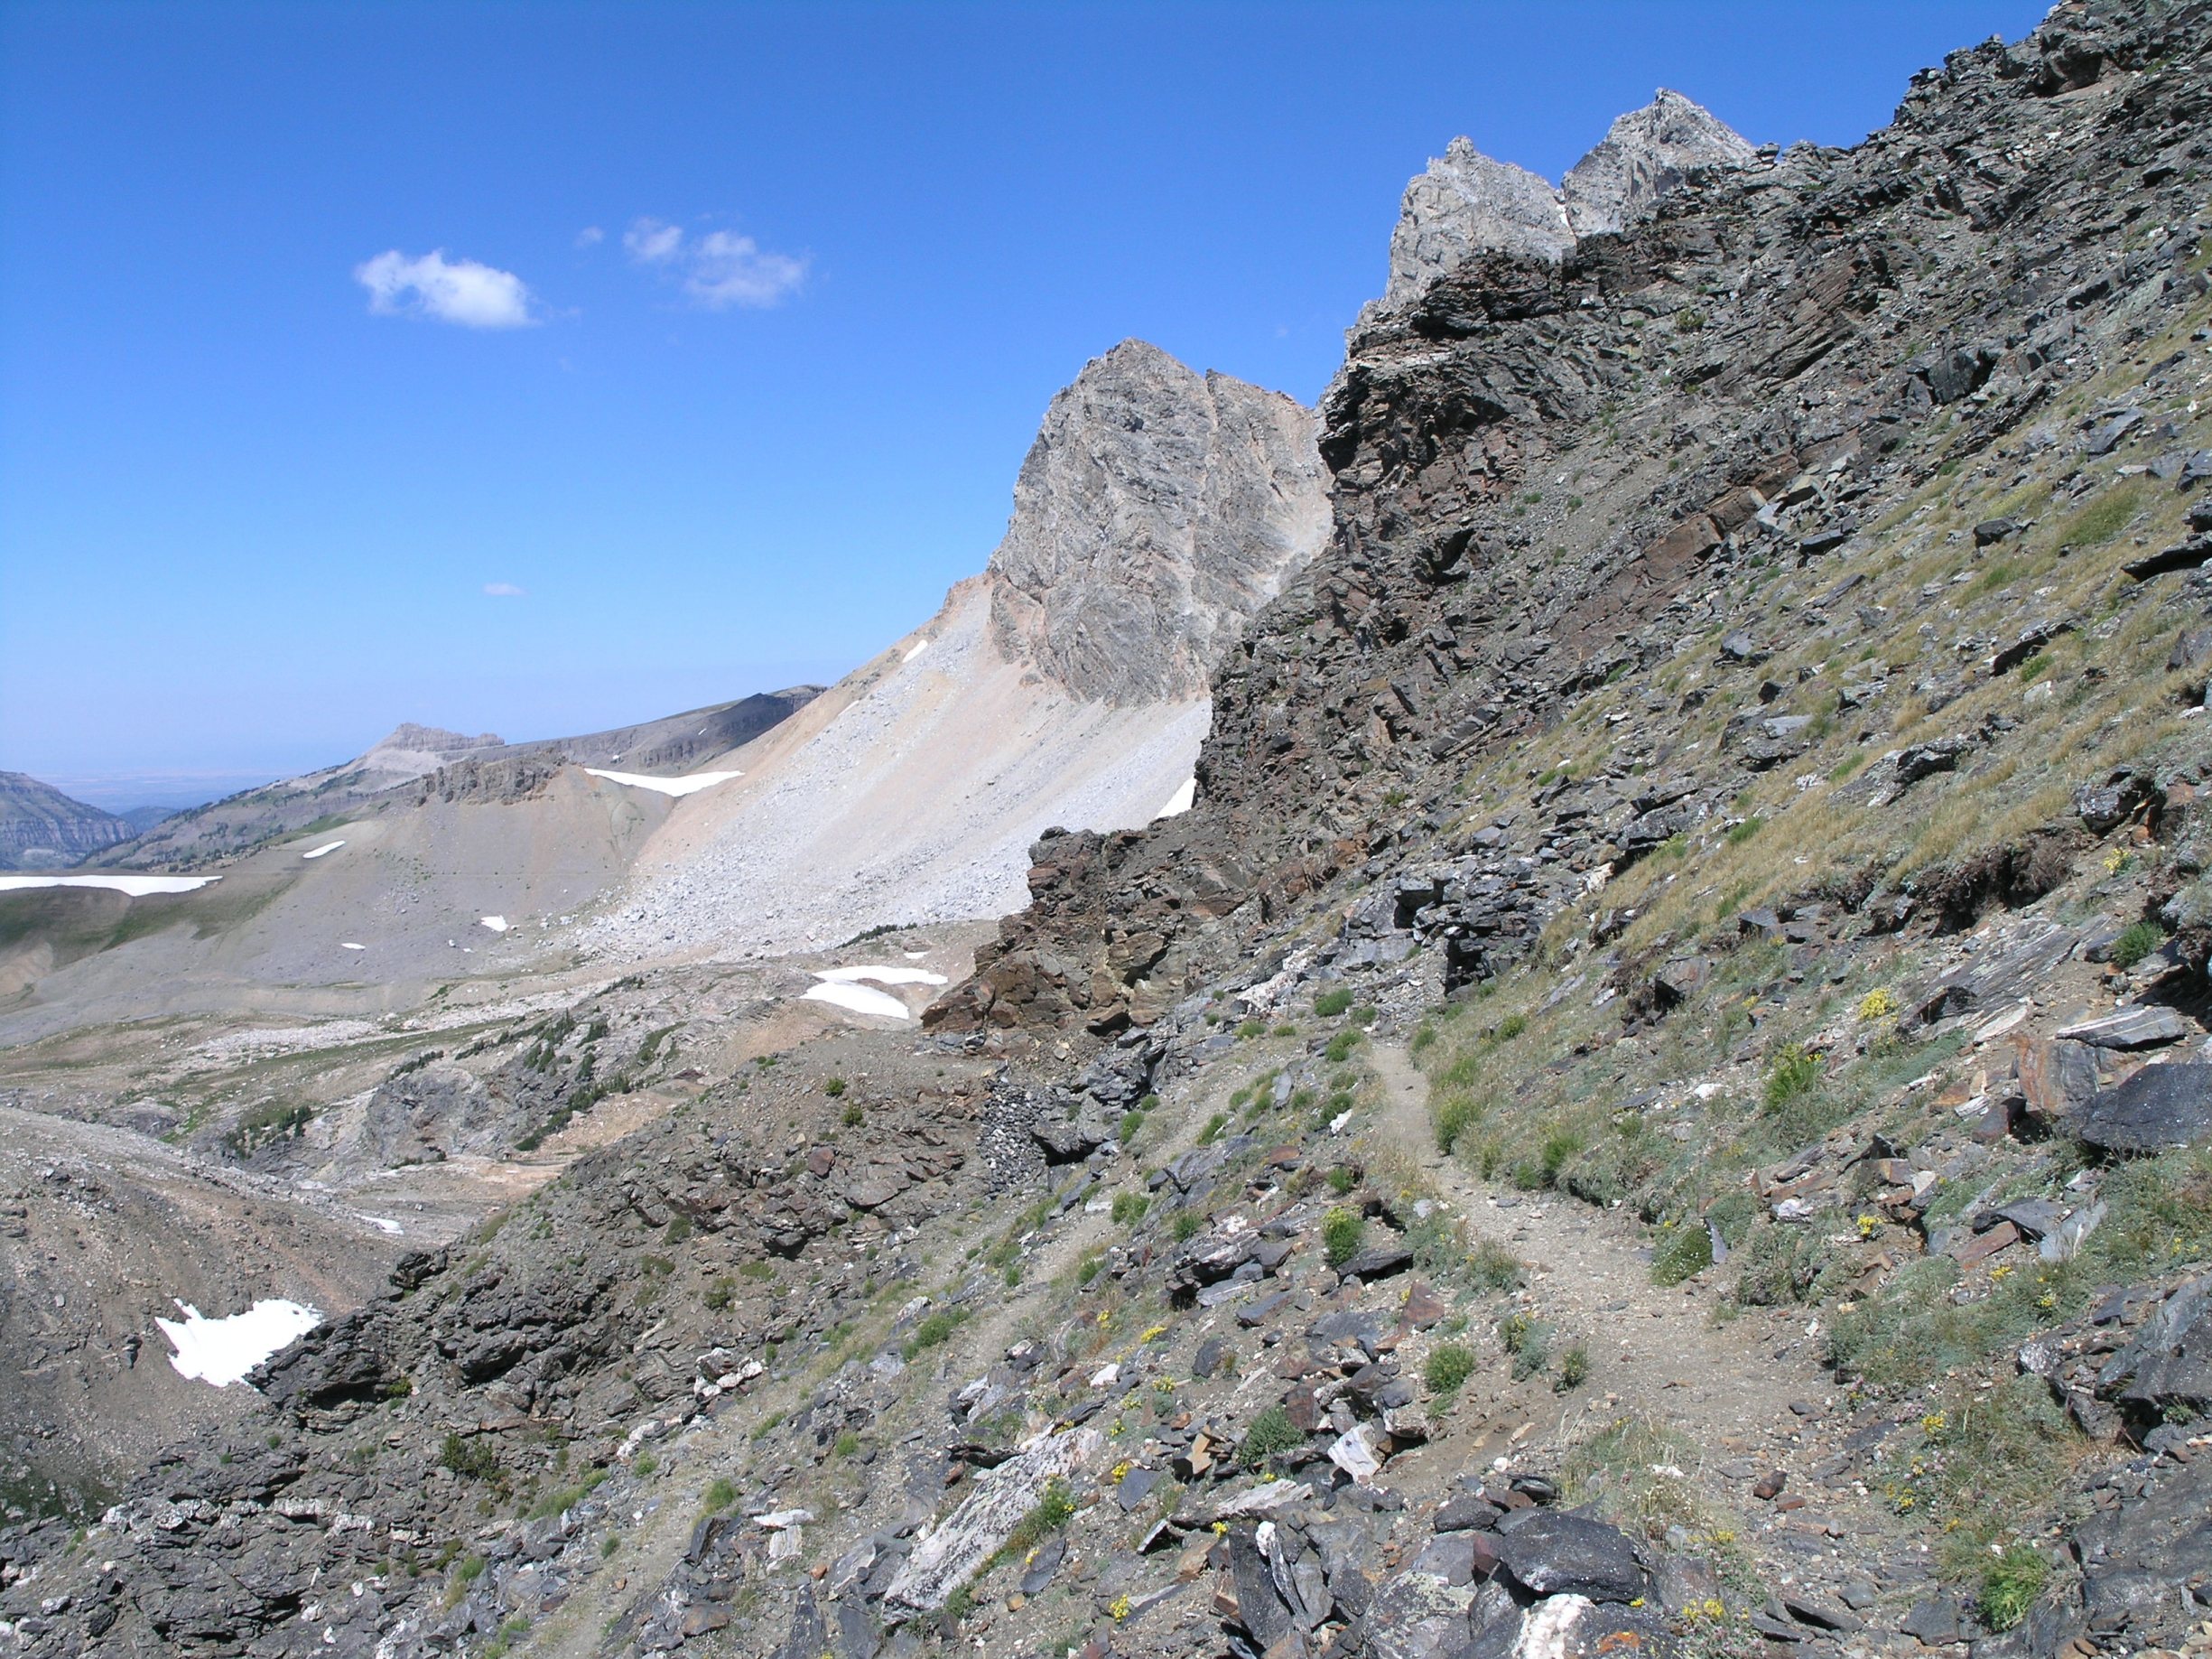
(222, 1351)
(882, 975)
(328, 846)
(858, 999)
(498, 924)
(920, 645)
(134, 886)
(1180, 801)
(665, 785)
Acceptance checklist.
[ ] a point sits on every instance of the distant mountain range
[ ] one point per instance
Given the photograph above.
(40, 828)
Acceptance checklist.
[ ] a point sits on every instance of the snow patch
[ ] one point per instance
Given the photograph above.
(918, 650)
(881, 975)
(1180, 801)
(328, 846)
(131, 887)
(859, 999)
(350, 944)
(665, 785)
(384, 1224)
(498, 924)
(220, 1352)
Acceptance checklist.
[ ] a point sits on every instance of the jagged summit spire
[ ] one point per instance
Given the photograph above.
(1646, 153)
(1466, 203)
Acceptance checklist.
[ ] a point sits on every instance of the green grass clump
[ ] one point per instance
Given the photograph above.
(1251, 1028)
(1529, 1341)
(2010, 1584)
(1342, 1230)
(1270, 1436)
(1341, 1045)
(1792, 1075)
(936, 1330)
(1342, 1181)
(1739, 834)
(472, 1460)
(1129, 1208)
(2102, 519)
(719, 1496)
(1332, 1002)
(1455, 1114)
(2136, 942)
(1188, 1226)
(1449, 1365)
(833, 1086)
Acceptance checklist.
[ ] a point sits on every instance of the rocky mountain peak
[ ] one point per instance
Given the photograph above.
(434, 739)
(1466, 203)
(1157, 510)
(1646, 154)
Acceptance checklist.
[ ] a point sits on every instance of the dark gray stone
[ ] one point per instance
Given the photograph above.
(1554, 1554)
(2158, 1108)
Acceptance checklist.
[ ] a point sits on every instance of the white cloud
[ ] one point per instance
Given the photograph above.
(650, 242)
(590, 235)
(719, 268)
(502, 590)
(459, 291)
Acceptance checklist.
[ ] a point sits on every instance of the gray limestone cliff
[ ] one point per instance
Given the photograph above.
(1157, 510)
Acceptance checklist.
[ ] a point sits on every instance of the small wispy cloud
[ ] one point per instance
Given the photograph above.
(590, 235)
(456, 291)
(719, 269)
(503, 590)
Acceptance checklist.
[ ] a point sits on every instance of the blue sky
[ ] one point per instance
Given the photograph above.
(251, 503)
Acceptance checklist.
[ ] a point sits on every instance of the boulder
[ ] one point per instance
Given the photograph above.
(2158, 1108)
(1557, 1554)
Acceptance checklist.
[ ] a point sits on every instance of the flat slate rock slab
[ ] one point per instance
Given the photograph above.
(2158, 1108)
(1554, 1554)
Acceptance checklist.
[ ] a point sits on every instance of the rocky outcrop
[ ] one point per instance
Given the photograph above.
(1157, 512)
(1548, 474)
(1466, 204)
(40, 828)
(1649, 153)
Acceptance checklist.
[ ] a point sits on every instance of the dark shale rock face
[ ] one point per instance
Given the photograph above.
(1544, 469)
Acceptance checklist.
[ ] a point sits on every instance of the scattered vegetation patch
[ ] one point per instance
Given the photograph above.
(1341, 1230)
(935, 1331)
(1270, 1435)
(1449, 1365)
